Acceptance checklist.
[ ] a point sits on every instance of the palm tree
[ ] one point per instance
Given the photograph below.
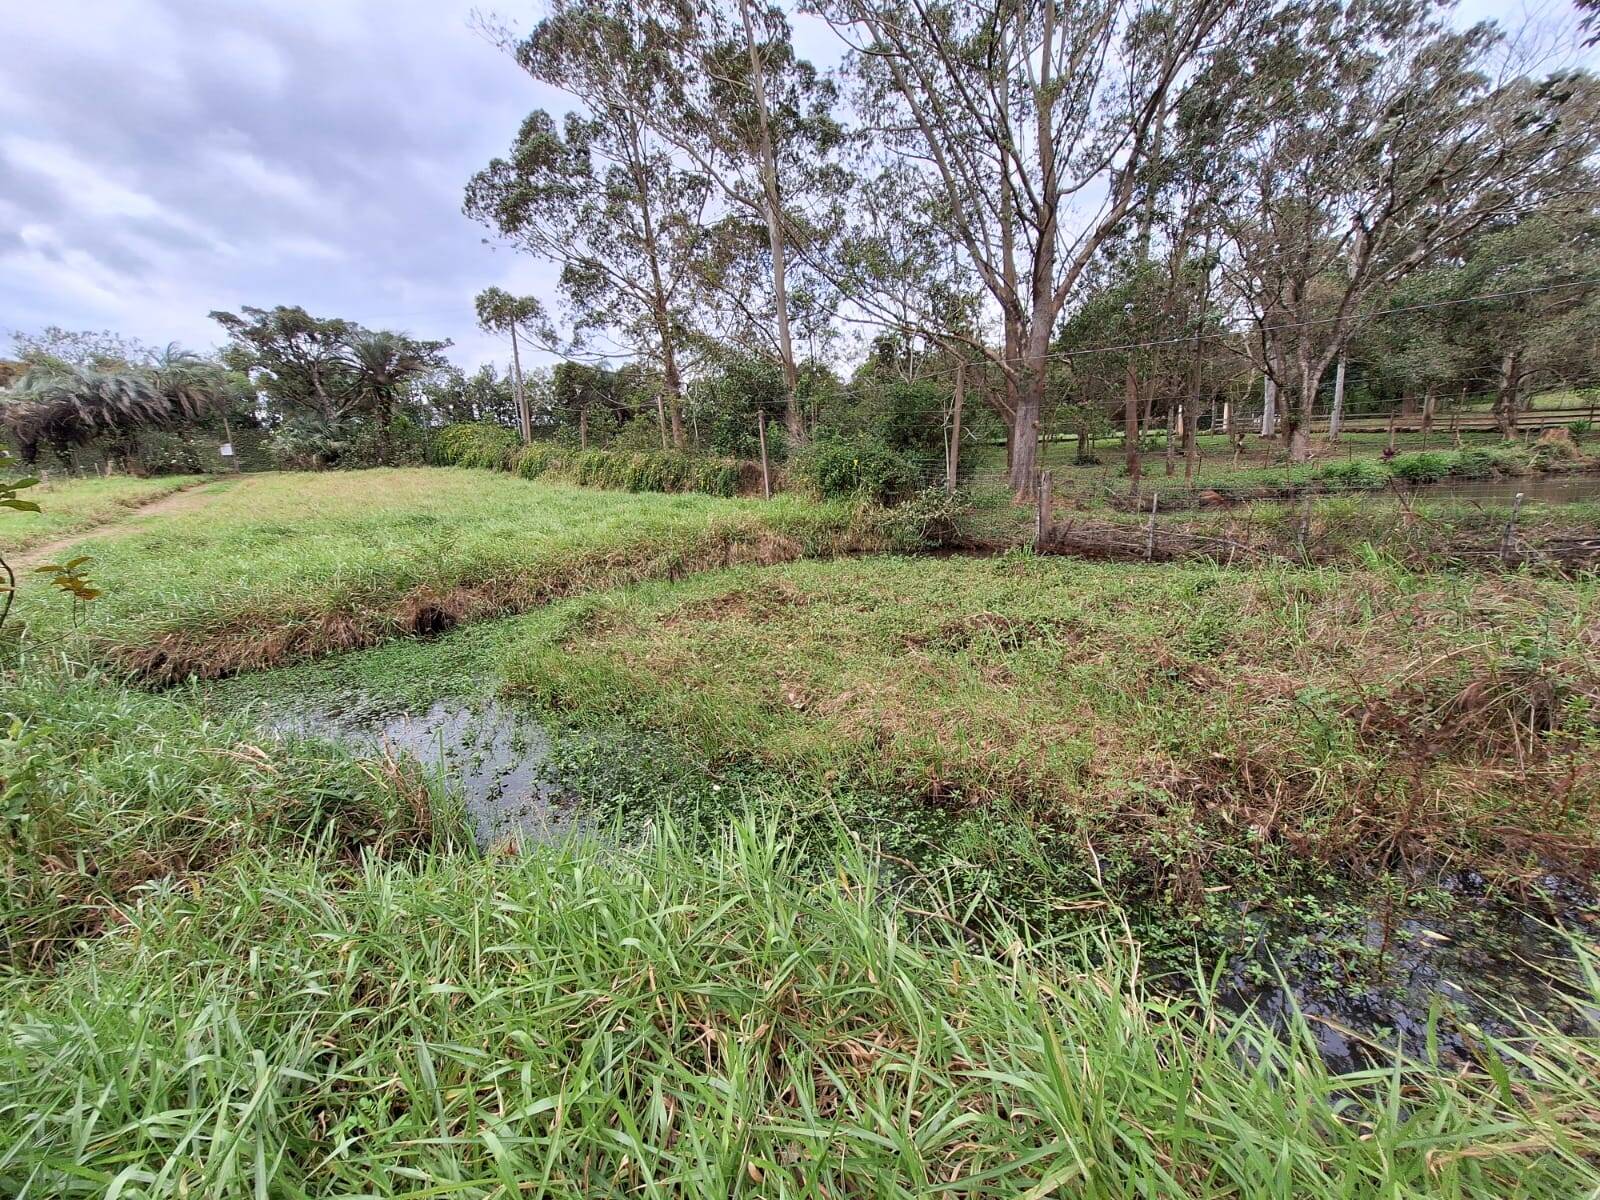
(384, 363)
(67, 406)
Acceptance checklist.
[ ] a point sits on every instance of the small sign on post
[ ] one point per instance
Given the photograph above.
(226, 449)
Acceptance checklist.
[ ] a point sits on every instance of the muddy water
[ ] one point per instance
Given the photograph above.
(1545, 489)
(494, 755)
(1405, 979)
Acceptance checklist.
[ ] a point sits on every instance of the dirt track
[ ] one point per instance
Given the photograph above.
(189, 499)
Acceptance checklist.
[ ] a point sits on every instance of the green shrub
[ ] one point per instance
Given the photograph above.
(1579, 429)
(495, 448)
(1355, 473)
(535, 460)
(1422, 466)
(1482, 463)
(474, 444)
(862, 465)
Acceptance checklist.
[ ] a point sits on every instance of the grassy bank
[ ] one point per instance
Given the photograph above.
(709, 1018)
(285, 566)
(107, 791)
(72, 505)
(494, 448)
(1165, 728)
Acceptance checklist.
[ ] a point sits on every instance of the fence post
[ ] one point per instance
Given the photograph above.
(766, 473)
(1042, 529)
(1304, 535)
(1150, 529)
(1508, 540)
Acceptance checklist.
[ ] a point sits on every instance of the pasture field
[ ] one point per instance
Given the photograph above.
(283, 566)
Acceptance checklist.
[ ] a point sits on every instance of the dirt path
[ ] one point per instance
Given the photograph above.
(186, 499)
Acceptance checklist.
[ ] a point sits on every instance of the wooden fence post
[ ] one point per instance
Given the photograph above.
(952, 454)
(1150, 529)
(1508, 540)
(1042, 529)
(766, 472)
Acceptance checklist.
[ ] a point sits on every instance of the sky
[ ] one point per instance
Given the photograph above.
(163, 158)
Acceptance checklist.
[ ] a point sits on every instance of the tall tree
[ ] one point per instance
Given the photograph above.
(501, 312)
(327, 367)
(1380, 140)
(600, 193)
(1016, 113)
(756, 121)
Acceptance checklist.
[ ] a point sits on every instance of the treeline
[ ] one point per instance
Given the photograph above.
(1067, 215)
(306, 391)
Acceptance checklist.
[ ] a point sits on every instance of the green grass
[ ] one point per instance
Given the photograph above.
(104, 791)
(291, 565)
(1422, 535)
(1187, 723)
(693, 1018)
(71, 505)
(239, 966)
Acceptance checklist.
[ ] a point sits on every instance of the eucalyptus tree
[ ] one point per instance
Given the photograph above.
(1033, 122)
(600, 192)
(757, 121)
(1380, 138)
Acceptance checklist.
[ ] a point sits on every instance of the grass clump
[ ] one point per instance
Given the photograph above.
(492, 447)
(1421, 466)
(289, 566)
(694, 1019)
(1355, 473)
(474, 444)
(107, 790)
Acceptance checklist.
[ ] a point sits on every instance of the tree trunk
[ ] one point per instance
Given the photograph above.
(1429, 403)
(1505, 399)
(1269, 411)
(794, 420)
(952, 459)
(1170, 451)
(583, 428)
(524, 417)
(674, 394)
(1336, 417)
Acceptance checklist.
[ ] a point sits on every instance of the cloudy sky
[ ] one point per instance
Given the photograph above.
(163, 158)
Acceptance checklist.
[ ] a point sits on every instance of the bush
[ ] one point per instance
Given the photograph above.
(862, 465)
(533, 461)
(494, 448)
(309, 444)
(1422, 466)
(1579, 430)
(641, 434)
(1355, 473)
(474, 444)
(1482, 463)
